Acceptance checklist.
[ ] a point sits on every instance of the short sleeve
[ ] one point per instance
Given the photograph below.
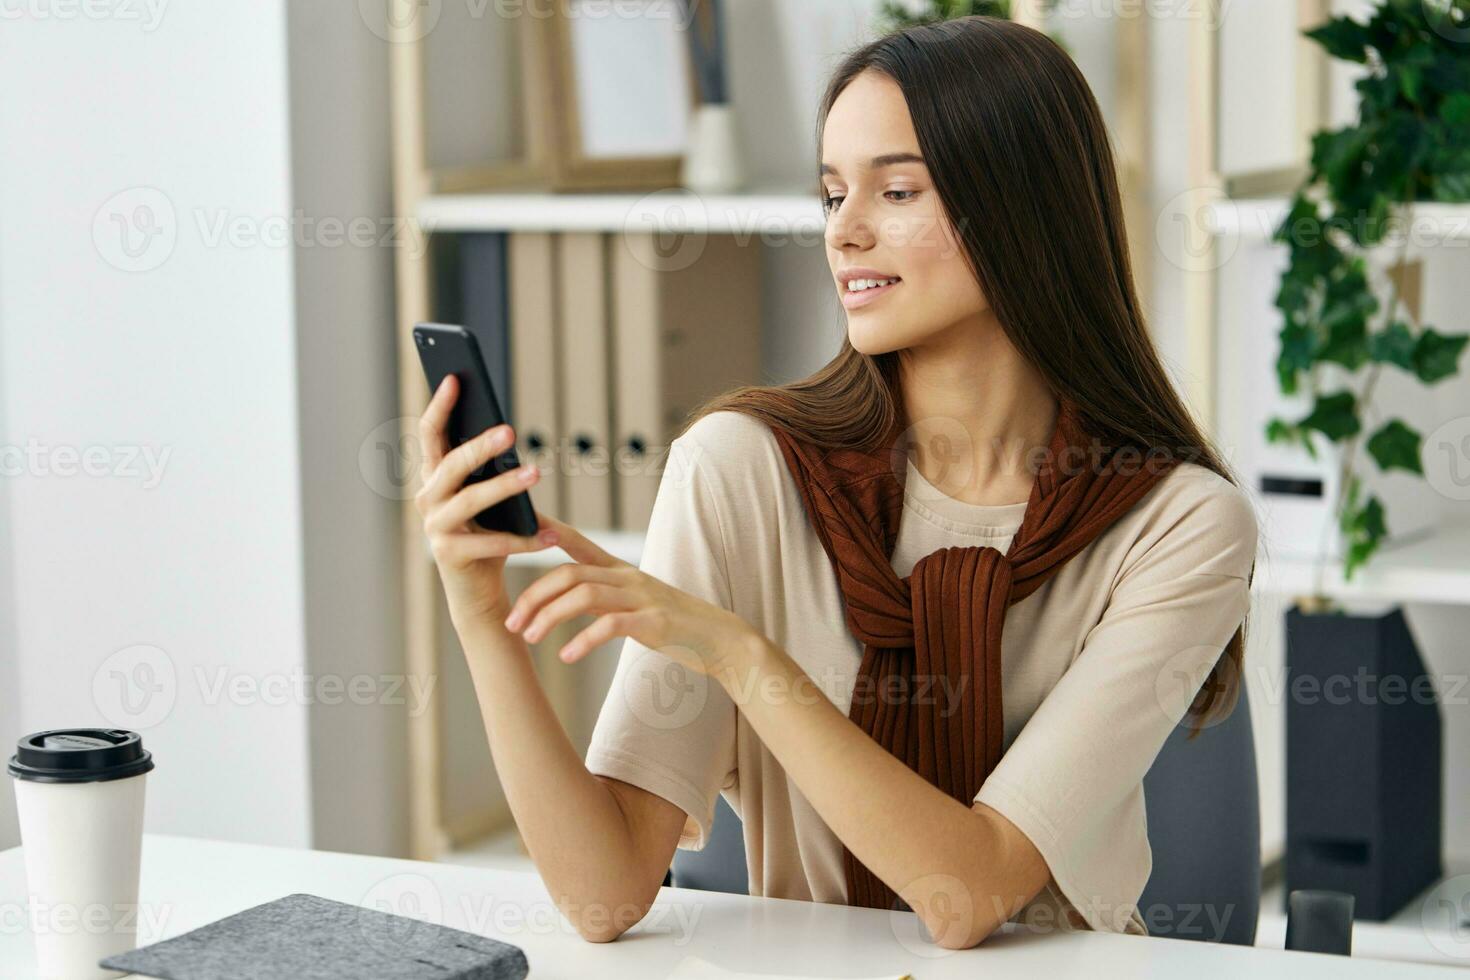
(1072, 781)
(663, 727)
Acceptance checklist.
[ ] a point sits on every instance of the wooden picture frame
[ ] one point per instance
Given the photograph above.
(572, 46)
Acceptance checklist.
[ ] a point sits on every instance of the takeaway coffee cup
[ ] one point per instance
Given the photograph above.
(79, 796)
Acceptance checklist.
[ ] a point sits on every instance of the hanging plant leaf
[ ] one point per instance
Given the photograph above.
(1297, 355)
(1396, 446)
(1437, 355)
(1343, 38)
(1393, 345)
(1334, 415)
(1281, 431)
(1347, 304)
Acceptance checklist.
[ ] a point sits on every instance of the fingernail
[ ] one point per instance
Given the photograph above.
(547, 537)
(529, 473)
(513, 621)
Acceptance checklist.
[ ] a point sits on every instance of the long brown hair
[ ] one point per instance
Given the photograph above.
(1016, 146)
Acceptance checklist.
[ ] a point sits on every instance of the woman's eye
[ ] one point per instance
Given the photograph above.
(832, 202)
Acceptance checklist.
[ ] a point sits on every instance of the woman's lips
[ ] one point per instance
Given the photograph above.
(852, 300)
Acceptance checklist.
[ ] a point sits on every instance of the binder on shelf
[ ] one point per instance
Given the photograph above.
(682, 333)
(584, 448)
(536, 414)
(533, 408)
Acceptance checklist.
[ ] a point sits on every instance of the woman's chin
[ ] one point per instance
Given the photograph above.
(873, 339)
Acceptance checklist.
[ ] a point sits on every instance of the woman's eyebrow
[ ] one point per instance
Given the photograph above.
(886, 160)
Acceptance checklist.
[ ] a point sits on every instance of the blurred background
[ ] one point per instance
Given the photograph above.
(219, 221)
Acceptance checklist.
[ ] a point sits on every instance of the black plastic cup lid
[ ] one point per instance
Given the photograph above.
(80, 755)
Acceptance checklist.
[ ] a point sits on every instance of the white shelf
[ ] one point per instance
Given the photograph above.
(1256, 220)
(627, 545)
(779, 211)
(1424, 931)
(1434, 568)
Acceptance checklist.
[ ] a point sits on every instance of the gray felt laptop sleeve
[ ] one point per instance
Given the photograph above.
(307, 937)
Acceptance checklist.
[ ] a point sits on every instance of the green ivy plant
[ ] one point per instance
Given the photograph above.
(1411, 143)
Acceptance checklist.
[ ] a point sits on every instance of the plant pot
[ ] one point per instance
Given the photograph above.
(713, 163)
(1363, 760)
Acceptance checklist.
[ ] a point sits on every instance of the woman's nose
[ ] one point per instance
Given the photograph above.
(848, 226)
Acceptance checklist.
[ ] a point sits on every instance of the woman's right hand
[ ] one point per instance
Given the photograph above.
(471, 559)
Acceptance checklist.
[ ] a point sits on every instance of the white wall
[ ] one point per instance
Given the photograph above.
(253, 359)
(193, 358)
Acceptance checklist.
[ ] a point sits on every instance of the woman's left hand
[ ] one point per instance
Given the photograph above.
(627, 602)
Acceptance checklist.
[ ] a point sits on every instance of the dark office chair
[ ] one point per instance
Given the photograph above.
(1204, 827)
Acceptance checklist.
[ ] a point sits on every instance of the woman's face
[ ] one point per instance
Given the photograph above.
(885, 222)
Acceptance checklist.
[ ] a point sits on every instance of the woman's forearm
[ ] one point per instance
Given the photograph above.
(573, 826)
(955, 865)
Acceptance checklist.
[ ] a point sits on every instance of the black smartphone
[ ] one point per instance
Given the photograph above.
(447, 349)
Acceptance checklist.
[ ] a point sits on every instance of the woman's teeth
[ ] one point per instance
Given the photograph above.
(858, 285)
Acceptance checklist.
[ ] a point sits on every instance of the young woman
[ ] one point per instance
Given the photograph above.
(933, 679)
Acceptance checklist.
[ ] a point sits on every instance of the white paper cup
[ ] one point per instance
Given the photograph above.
(79, 796)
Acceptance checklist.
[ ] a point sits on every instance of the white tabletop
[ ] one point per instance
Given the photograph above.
(188, 882)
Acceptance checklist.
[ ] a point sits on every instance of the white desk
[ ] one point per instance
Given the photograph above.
(188, 882)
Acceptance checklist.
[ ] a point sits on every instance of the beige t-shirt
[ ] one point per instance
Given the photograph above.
(1099, 664)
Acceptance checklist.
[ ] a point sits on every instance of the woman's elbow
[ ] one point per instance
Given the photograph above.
(947, 935)
(604, 923)
(598, 934)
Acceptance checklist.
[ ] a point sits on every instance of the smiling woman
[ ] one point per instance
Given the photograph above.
(976, 239)
(828, 625)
